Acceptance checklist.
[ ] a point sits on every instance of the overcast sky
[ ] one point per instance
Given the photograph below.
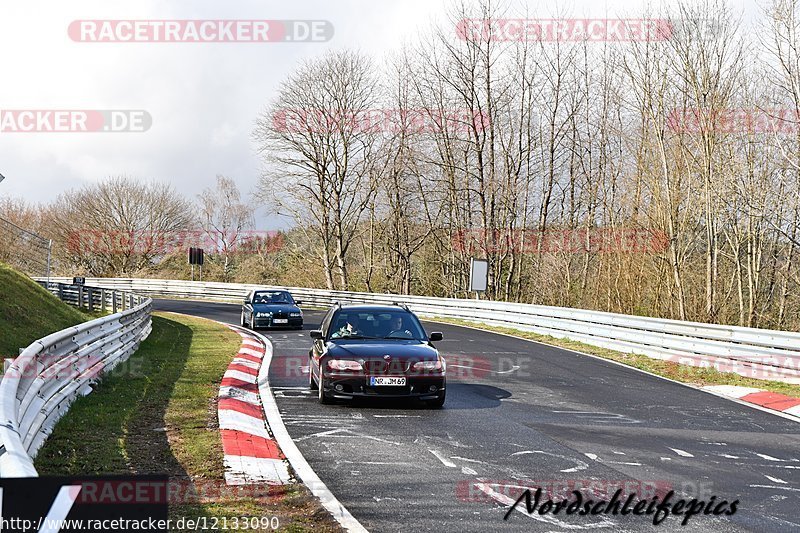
(203, 98)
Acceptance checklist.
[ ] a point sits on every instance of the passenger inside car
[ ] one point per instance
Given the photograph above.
(348, 327)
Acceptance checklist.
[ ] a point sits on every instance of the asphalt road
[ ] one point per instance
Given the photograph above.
(523, 414)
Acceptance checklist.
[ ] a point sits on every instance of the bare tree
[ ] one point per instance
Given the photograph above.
(20, 243)
(225, 217)
(118, 226)
(708, 57)
(320, 153)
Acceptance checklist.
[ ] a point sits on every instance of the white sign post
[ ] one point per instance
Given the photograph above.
(478, 276)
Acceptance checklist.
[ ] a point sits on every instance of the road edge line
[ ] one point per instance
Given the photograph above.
(781, 414)
(301, 467)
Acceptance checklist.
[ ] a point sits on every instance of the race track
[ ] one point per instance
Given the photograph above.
(523, 413)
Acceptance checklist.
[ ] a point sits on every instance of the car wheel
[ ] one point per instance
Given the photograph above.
(253, 322)
(438, 403)
(311, 383)
(241, 320)
(324, 399)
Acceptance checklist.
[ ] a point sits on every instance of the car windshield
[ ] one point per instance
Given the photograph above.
(272, 297)
(399, 325)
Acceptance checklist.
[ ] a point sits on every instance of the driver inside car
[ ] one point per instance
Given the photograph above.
(397, 328)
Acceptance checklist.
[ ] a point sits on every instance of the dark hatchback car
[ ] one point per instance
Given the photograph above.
(271, 309)
(370, 351)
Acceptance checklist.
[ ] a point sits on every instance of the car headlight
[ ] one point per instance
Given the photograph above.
(263, 315)
(344, 364)
(435, 367)
(296, 314)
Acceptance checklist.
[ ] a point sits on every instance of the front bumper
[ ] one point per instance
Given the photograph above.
(268, 322)
(344, 386)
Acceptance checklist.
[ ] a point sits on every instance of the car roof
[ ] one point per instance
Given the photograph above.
(373, 307)
(271, 290)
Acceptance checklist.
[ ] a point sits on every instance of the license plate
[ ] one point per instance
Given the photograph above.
(375, 381)
(280, 321)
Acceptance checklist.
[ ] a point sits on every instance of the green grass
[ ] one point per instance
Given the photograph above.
(28, 312)
(683, 373)
(158, 414)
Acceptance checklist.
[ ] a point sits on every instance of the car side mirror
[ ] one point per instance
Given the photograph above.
(298, 302)
(435, 336)
(246, 301)
(315, 333)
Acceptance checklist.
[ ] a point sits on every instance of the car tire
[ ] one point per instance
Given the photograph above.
(312, 385)
(253, 322)
(241, 320)
(438, 403)
(323, 398)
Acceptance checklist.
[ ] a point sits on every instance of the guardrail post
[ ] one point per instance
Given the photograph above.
(90, 300)
(102, 300)
(60, 292)
(113, 301)
(80, 297)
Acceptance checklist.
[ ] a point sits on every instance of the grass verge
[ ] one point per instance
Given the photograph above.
(684, 373)
(157, 413)
(28, 312)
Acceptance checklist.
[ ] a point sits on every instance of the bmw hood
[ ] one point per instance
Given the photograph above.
(416, 350)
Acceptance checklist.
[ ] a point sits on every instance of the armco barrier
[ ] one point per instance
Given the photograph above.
(760, 353)
(39, 386)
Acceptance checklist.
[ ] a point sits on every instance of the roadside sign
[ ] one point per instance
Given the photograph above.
(196, 256)
(478, 275)
(79, 281)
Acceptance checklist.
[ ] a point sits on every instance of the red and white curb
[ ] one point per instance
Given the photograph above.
(299, 464)
(251, 454)
(769, 400)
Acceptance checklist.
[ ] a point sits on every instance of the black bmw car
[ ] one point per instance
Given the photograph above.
(375, 351)
(271, 309)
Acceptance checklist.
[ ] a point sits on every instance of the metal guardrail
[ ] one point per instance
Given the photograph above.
(40, 385)
(760, 353)
(93, 298)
